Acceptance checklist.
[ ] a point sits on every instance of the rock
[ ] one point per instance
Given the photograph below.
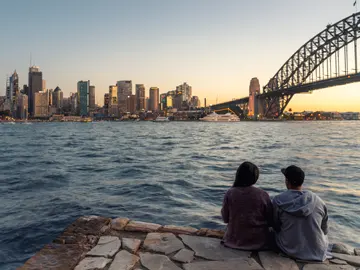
(357, 251)
(156, 262)
(337, 261)
(130, 244)
(92, 239)
(138, 226)
(317, 266)
(341, 249)
(353, 260)
(90, 263)
(243, 264)
(215, 233)
(106, 247)
(89, 225)
(178, 229)
(212, 249)
(119, 224)
(184, 256)
(201, 232)
(272, 261)
(165, 243)
(124, 261)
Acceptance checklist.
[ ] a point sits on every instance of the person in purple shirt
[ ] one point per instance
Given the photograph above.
(248, 212)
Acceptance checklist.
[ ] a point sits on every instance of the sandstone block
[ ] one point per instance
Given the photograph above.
(337, 261)
(156, 262)
(106, 247)
(91, 263)
(130, 244)
(124, 261)
(119, 224)
(184, 256)
(178, 229)
(272, 261)
(138, 226)
(165, 243)
(215, 233)
(353, 260)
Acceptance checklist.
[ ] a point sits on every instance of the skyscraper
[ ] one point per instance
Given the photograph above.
(113, 101)
(41, 104)
(185, 90)
(140, 97)
(57, 99)
(131, 104)
(92, 97)
(124, 91)
(254, 90)
(83, 97)
(154, 99)
(12, 92)
(35, 85)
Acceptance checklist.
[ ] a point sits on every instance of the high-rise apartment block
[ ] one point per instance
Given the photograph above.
(91, 97)
(41, 104)
(140, 97)
(154, 99)
(124, 91)
(185, 91)
(83, 97)
(35, 85)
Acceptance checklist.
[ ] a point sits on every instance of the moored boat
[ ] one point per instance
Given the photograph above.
(214, 117)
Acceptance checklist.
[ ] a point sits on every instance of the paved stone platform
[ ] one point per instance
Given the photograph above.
(95, 242)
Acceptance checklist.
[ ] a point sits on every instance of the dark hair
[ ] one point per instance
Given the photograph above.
(246, 175)
(294, 175)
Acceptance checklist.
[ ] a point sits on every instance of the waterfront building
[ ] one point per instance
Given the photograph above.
(163, 104)
(57, 99)
(185, 91)
(83, 97)
(254, 90)
(66, 105)
(35, 86)
(124, 90)
(131, 104)
(147, 104)
(169, 101)
(12, 91)
(22, 106)
(41, 104)
(351, 115)
(140, 97)
(178, 101)
(91, 97)
(113, 107)
(195, 102)
(106, 103)
(51, 94)
(154, 99)
(74, 103)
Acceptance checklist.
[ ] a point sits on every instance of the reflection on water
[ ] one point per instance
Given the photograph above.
(170, 173)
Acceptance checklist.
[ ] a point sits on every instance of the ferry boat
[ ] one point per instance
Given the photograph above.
(214, 117)
(162, 119)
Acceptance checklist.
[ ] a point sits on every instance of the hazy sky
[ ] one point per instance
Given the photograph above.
(215, 46)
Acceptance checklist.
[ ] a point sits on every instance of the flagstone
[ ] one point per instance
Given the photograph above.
(317, 266)
(243, 264)
(165, 243)
(138, 226)
(353, 260)
(178, 229)
(106, 247)
(157, 261)
(184, 256)
(130, 244)
(119, 224)
(272, 261)
(90, 263)
(124, 261)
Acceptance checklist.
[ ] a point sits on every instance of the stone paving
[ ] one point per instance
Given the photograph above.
(121, 244)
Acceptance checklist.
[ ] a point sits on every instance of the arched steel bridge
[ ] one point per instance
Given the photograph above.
(321, 62)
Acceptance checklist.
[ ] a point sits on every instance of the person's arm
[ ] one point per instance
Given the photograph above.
(276, 218)
(269, 212)
(225, 209)
(324, 223)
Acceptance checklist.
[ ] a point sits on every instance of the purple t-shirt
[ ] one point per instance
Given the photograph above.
(249, 214)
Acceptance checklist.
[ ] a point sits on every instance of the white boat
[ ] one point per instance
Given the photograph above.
(214, 117)
(162, 119)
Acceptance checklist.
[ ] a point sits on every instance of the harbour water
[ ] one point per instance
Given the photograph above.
(167, 173)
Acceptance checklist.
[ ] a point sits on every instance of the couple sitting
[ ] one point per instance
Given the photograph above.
(298, 217)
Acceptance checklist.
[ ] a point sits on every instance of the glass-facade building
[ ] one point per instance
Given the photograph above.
(83, 97)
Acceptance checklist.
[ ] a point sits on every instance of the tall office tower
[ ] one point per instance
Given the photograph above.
(140, 97)
(254, 90)
(185, 91)
(35, 85)
(57, 100)
(22, 106)
(106, 103)
(154, 99)
(113, 95)
(147, 104)
(12, 91)
(44, 85)
(83, 97)
(124, 91)
(162, 102)
(51, 96)
(131, 104)
(25, 90)
(41, 104)
(74, 103)
(92, 97)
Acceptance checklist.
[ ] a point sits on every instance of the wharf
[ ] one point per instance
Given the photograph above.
(95, 242)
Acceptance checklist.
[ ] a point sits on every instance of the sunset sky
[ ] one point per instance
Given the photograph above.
(215, 46)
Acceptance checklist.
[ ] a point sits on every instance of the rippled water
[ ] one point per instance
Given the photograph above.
(168, 173)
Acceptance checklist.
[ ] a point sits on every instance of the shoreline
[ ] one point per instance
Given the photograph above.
(95, 242)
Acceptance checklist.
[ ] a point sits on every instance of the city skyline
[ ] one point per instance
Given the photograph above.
(219, 49)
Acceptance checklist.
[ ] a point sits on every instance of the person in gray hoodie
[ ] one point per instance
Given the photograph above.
(300, 219)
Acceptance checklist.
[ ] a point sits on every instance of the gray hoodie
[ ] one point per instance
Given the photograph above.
(300, 222)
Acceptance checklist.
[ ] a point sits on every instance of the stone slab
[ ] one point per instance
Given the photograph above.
(106, 247)
(91, 263)
(244, 264)
(341, 249)
(357, 251)
(178, 229)
(131, 244)
(353, 260)
(215, 233)
(272, 261)
(184, 256)
(327, 267)
(165, 243)
(138, 226)
(157, 262)
(337, 261)
(201, 232)
(124, 261)
(212, 249)
(119, 224)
